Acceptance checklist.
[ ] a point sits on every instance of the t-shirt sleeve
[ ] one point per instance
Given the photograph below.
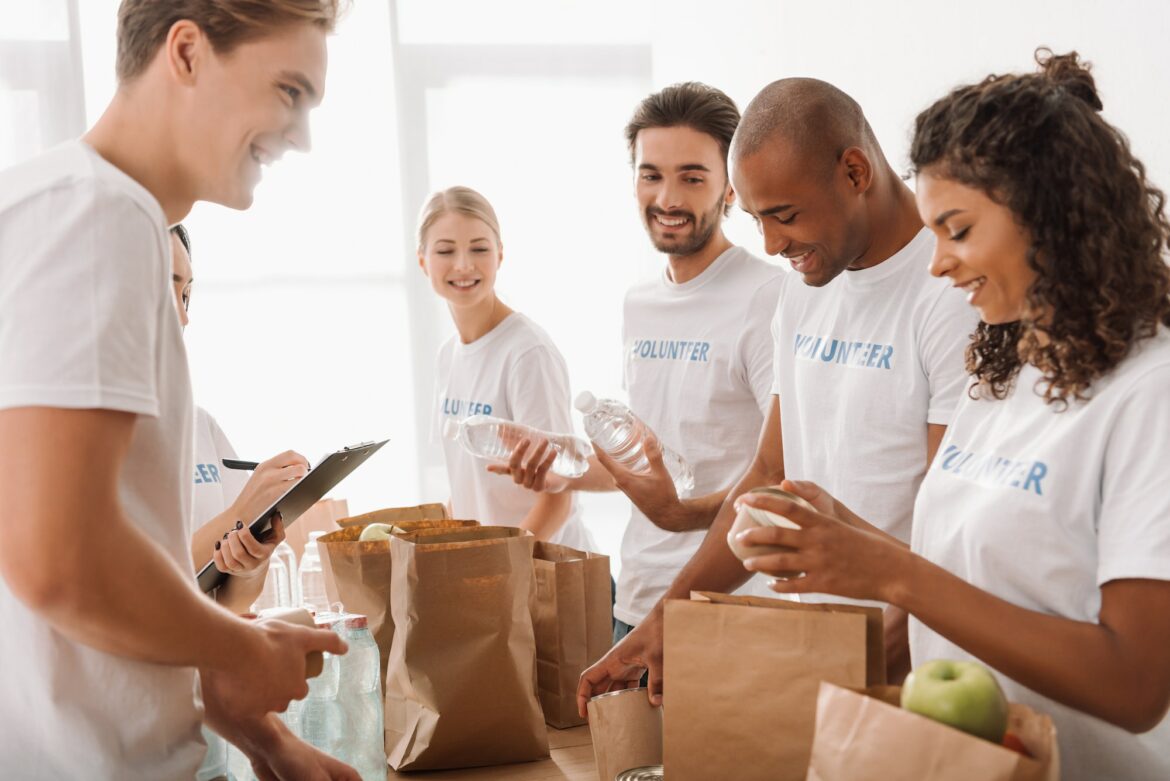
(757, 344)
(1133, 532)
(538, 391)
(80, 292)
(943, 337)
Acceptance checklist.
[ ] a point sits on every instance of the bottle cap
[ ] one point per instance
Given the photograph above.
(585, 402)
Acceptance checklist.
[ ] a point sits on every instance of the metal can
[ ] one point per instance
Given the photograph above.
(647, 773)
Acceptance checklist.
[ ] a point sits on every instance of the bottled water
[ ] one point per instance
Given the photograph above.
(276, 587)
(320, 715)
(360, 693)
(312, 578)
(286, 554)
(614, 429)
(494, 439)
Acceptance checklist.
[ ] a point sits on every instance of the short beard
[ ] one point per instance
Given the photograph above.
(701, 232)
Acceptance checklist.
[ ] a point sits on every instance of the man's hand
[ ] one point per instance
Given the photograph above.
(638, 652)
(269, 674)
(267, 484)
(278, 755)
(652, 492)
(533, 472)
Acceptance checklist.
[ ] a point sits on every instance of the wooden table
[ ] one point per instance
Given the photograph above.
(571, 760)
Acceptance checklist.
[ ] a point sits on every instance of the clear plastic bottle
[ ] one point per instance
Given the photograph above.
(494, 439)
(361, 700)
(320, 715)
(312, 578)
(286, 554)
(614, 429)
(276, 587)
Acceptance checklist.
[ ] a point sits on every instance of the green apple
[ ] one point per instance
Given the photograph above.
(377, 531)
(964, 695)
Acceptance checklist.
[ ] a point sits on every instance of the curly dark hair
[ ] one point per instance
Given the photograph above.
(1036, 144)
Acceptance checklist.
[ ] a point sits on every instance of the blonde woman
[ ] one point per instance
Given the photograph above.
(499, 363)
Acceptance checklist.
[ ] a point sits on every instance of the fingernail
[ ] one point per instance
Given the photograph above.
(217, 544)
(225, 534)
(239, 524)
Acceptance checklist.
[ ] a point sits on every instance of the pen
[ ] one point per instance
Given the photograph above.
(235, 463)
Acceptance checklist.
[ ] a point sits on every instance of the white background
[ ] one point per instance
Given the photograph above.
(311, 324)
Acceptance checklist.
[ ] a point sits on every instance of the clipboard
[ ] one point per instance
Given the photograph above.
(303, 494)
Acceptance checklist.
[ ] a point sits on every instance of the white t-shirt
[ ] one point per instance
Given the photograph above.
(215, 489)
(1041, 508)
(514, 372)
(863, 364)
(88, 320)
(698, 368)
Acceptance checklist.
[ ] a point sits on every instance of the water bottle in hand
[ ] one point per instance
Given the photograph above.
(614, 429)
(494, 439)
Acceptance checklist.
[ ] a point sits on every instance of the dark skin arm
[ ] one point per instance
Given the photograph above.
(1115, 669)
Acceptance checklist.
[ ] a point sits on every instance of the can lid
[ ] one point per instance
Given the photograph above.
(619, 691)
(645, 773)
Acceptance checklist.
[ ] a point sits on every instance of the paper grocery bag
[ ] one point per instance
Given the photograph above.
(434, 511)
(461, 679)
(573, 621)
(360, 574)
(866, 736)
(321, 517)
(741, 678)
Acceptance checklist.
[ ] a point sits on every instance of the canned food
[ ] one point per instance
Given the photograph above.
(752, 517)
(647, 773)
(619, 691)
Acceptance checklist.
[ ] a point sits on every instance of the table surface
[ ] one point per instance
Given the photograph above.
(571, 760)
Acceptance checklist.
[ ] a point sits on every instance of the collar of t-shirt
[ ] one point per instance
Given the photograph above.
(704, 278)
(146, 197)
(911, 253)
(502, 329)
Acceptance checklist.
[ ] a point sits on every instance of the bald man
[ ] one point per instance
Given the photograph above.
(869, 348)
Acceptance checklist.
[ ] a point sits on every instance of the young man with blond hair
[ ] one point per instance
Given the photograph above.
(113, 657)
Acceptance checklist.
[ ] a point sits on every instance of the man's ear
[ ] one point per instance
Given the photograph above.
(185, 49)
(858, 169)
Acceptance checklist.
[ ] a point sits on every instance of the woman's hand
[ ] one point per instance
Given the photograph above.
(267, 484)
(835, 556)
(239, 553)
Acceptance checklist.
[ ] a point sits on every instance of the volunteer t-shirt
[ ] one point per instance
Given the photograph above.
(698, 369)
(88, 321)
(514, 372)
(863, 364)
(215, 489)
(1042, 507)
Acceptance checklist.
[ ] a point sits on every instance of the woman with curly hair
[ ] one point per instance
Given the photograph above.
(1041, 537)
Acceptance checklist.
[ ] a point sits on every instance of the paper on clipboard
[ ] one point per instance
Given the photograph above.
(320, 480)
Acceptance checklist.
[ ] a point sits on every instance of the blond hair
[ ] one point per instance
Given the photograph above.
(461, 200)
(143, 25)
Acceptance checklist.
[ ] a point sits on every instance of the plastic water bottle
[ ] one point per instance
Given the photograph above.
(276, 587)
(614, 429)
(360, 693)
(494, 439)
(320, 715)
(286, 554)
(312, 577)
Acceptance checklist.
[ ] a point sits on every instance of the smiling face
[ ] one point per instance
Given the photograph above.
(809, 211)
(981, 248)
(681, 188)
(461, 256)
(243, 109)
(181, 277)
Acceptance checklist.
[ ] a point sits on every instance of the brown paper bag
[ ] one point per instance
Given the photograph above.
(321, 517)
(461, 679)
(573, 622)
(626, 731)
(359, 573)
(742, 676)
(435, 511)
(868, 737)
